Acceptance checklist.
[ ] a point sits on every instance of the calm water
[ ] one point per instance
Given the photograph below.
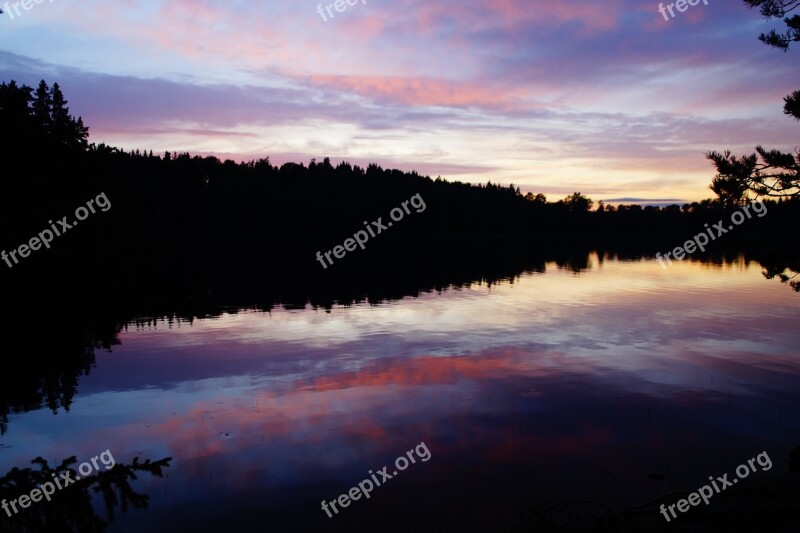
(614, 385)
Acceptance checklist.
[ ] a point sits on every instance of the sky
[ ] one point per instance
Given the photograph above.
(607, 98)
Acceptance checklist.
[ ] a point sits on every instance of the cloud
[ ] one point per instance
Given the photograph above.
(557, 95)
(646, 201)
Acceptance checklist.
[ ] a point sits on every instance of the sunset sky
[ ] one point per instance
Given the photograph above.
(607, 98)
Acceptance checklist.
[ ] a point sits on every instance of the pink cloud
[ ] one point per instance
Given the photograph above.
(419, 91)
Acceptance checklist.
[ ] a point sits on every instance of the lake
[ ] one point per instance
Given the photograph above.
(613, 385)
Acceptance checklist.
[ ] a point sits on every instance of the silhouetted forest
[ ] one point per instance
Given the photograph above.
(174, 212)
(188, 236)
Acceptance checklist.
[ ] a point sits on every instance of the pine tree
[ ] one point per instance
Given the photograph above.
(42, 108)
(768, 172)
(16, 124)
(81, 134)
(60, 116)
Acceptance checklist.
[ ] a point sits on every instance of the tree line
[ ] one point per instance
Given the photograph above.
(175, 212)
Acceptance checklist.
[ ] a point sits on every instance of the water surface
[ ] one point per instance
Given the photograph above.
(614, 385)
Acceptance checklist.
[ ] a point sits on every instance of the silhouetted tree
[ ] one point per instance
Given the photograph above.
(70, 509)
(538, 198)
(42, 108)
(30, 124)
(779, 9)
(775, 174)
(792, 105)
(16, 121)
(578, 203)
(66, 130)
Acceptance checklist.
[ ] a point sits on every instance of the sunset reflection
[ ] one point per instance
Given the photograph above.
(575, 380)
